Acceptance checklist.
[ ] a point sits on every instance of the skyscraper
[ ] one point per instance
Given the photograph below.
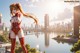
(46, 21)
(76, 21)
(0, 18)
(1, 25)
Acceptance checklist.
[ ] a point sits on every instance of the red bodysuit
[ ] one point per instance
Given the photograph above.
(15, 23)
(16, 30)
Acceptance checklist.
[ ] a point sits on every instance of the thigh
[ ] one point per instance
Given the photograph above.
(12, 35)
(20, 33)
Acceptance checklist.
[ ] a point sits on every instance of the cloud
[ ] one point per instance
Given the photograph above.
(33, 1)
(36, 3)
(65, 15)
(32, 5)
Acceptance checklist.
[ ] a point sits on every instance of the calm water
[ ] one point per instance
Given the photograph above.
(46, 43)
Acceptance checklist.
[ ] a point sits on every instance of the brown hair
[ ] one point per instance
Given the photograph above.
(11, 8)
(17, 6)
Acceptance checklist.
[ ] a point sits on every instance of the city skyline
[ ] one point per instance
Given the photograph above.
(55, 10)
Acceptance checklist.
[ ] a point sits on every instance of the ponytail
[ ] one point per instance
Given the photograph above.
(24, 14)
(18, 6)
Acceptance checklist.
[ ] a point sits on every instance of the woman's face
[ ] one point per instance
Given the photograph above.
(13, 10)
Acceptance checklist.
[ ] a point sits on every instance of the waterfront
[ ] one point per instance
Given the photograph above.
(45, 43)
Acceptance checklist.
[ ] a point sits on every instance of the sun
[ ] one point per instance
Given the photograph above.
(55, 7)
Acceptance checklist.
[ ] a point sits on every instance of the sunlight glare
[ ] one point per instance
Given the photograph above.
(55, 7)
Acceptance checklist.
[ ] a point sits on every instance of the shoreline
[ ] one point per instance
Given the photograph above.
(66, 40)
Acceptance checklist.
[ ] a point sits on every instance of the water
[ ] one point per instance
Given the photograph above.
(46, 43)
(2, 50)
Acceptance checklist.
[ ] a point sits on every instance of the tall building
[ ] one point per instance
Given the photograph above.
(46, 21)
(1, 25)
(76, 21)
(0, 18)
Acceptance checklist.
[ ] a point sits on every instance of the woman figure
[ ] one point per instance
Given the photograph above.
(16, 13)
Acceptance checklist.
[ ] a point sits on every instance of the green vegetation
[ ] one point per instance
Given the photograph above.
(60, 36)
(44, 52)
(78, 51)
(76, 47)
(68, 35)
(30, 50)
(4, 37)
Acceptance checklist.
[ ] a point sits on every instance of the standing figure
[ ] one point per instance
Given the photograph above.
(16, 12)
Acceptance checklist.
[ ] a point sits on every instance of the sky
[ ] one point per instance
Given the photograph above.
(57, 10)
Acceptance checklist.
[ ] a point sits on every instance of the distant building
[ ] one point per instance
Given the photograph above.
(46, 21)
(2, 25)
(76, 21)
(0, 21)
(0, 18)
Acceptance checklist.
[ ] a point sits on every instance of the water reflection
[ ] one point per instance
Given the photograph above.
(46, 36)
(44, 42)
(63, 42)
(37, 34)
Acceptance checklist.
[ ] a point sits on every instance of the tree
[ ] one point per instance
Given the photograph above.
(2, 38)
(30, 50)
(78, 51)
(76, 46)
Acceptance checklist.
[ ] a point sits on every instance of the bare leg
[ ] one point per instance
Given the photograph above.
(13, 43)
(23, 45)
